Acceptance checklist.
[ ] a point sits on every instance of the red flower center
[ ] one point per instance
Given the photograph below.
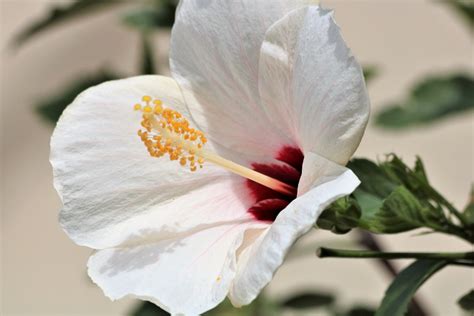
(269, 203)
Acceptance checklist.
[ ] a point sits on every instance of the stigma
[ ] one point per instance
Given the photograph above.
(166, 132)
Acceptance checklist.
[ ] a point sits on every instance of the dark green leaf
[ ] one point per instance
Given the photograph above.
(467, 301)
(148, 309)
(260, 306)
(59, 14)
(403, 288)
(430, 100)
(52, 107)
(309, 300)
(394, 198)
(360, 311)
(469, 210)
(341, 216)
(159, 15)
(148, 63)
(370, 72)
(464, 7)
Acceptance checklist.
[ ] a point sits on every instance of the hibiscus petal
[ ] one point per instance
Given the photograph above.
(214, 55)
(322, 183)
(113, 191)
(187, 275)
(311, 85)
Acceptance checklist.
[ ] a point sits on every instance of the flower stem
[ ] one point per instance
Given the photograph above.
(343, 253)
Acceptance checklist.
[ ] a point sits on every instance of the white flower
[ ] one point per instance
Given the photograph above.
(268, 83)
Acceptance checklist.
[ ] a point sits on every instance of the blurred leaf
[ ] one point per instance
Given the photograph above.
(148, 309)
(60, 14)
(159, 15)
(309, 300)
(469, 210)
(261, 306)
(341, 216)
(464, 7)
(467, 301)
(52, 108)
(360, 311)
(430, 100)
(406, 283)
(148, 66)
(370, 72)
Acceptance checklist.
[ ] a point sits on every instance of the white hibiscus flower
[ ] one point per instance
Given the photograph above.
(265, 108)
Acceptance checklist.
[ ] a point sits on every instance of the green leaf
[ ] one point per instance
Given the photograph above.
(406, 283)
(360, 311)
(398, 212)
(464, 7)
(467, 301)
(159, 15)
(59, 14)
(148, 309)
(309, 300)
(148, 66)
(260, 306)
(51, 108)
(468, 212)
(341, 216)
(430, 100)
(394, 198)
(370, 72)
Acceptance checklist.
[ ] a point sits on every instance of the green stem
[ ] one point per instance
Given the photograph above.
(462, 263)
(342, 253)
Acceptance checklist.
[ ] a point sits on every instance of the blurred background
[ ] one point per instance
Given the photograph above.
(402, 42)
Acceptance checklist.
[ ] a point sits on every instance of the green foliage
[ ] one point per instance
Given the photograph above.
(341, 216)
(148, 309)
(463, 7)
(308, 300)
(370, 72)
(158, 15)
(403, 288)
(148, 66)
(59, 14)
(469, 210)
(52, 107)
(260, 306)
(394, 198)
(360, 311)
(467, 301)
(432, 99)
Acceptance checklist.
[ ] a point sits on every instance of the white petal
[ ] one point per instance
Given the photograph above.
(214, 55)
(112, 190)
(186, 275)
(312, 86)
(324, 182)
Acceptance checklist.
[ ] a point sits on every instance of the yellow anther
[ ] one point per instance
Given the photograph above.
(167, 132)
(157, 109)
